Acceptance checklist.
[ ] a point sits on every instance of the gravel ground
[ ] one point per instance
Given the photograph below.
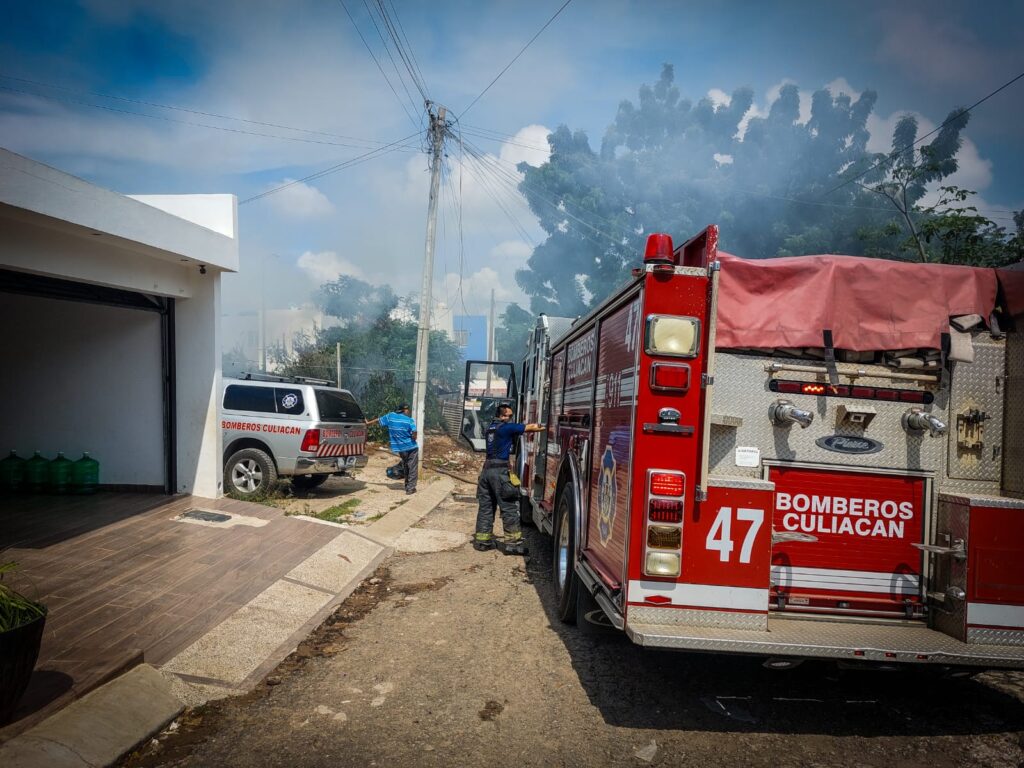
(455, 658)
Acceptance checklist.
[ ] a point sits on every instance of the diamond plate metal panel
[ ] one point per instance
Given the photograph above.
(741, 390)
(996, 636)
(1013, 446)
(686, 617)
(978, 385)
(984, 500)
(746, 483)
(891, 642)
(950, 616)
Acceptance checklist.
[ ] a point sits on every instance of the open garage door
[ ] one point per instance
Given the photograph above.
(89, 368)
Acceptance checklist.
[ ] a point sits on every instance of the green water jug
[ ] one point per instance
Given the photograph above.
(59, 474)
(12, 473)
(36, 473)
(85, 475)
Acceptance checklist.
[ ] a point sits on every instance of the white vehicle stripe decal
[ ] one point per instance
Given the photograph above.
(993, 615)
(701, 595)
(846, 581)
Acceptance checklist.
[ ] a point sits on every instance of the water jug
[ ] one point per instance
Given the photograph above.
(36, 471)
(85, 475)
(12, 473)
(59, 474)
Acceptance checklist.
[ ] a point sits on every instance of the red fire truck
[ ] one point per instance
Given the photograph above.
(811, 457)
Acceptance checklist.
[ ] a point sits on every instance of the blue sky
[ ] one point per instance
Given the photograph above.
(301, 64)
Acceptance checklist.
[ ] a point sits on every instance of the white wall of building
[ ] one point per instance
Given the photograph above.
(82, 377)
(198, 350)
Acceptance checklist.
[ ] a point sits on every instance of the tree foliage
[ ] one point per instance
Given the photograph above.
(512, 332)
(778, 186)
(378, 353)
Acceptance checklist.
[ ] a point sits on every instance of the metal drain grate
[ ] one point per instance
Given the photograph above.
(205, 516)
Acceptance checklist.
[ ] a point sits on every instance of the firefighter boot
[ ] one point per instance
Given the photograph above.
(514, 544)
(483, 542)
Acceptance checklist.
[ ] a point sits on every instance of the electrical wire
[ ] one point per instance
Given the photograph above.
(892, 156)
(515, 58)
(339, 167)
(370, 51)
(193, 123)
(394, 65)
(158, 105)
(415, 64)
(400, 47)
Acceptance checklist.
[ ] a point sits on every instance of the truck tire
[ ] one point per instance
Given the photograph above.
(564, 556)
(250, 473)
(308, 482)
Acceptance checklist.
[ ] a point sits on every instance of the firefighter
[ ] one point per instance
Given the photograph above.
(496, 488)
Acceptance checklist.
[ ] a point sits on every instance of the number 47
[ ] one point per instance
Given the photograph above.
(720, 536)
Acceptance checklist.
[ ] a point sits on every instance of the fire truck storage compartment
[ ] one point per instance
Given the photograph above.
(861, 527)
(978, 593)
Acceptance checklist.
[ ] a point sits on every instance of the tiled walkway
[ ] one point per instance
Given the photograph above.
(125, 581)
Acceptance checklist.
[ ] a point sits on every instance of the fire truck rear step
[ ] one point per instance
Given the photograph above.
(831, 639)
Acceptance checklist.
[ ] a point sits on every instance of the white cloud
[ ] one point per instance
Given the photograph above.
(326, 266)
(473, 291)
(530, 146)
(719, 98)
(841, 85)
(299, 201)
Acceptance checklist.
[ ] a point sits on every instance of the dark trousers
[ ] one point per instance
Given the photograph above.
(495, 491)
(411, 467)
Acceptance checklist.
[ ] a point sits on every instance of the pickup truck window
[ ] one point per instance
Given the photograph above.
(338, 406)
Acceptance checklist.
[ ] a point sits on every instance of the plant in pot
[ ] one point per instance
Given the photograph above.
(21, 633)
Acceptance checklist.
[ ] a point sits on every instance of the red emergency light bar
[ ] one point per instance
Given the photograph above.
(856, 392)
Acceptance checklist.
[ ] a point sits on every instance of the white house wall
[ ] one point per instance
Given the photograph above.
(198, 351)
(82, 377)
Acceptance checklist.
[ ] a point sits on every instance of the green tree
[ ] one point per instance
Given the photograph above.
(774, 184)
(512, 333)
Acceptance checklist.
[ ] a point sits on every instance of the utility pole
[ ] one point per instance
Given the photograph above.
(490, 342)
(337, 362)
(419, 388)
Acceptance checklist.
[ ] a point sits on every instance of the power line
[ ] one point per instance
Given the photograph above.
(387, 50)
(415, 64)
(400, 47)
(340, 166)
(193, 123)
(370, 51)
(955, 116)
(158, 105)
(515, 58)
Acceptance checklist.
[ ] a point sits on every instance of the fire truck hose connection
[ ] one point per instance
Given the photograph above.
(916, 420)
(783, 412)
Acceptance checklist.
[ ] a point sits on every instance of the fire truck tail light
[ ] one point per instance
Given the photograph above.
(310, 440)
(659, 249)
(667, 483)
(819, 389)
(672, 336)
(790, 387)
(669, 376)
(662, 564)
(665, 510)
(912, 396)
(664, 537)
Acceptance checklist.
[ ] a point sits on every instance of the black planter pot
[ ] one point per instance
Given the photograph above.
(19, 649)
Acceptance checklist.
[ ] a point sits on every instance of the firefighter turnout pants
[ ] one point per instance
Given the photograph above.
(494, 490)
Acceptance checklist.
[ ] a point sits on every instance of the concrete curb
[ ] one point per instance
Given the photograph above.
(99, 728)
(230, 659)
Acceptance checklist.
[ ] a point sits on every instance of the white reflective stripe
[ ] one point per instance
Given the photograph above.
(847, 581)
(994, 615)
(701, 595)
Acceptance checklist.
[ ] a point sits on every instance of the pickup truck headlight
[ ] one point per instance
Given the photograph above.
(672, 336)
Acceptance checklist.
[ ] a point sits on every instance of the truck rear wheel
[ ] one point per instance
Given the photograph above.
(564, 559)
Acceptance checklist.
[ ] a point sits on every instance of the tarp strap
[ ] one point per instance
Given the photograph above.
(830, 357)
(945, 343)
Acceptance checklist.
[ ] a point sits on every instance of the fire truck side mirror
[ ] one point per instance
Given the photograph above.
(783, 412)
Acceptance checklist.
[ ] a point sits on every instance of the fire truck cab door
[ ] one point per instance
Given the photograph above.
(487, 385)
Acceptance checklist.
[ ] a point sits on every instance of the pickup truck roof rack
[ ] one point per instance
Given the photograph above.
(286, 379)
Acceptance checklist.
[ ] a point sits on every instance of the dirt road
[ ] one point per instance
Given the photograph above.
(455, 658)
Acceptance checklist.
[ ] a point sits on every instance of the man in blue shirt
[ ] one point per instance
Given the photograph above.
(495, 489)
(402, 433)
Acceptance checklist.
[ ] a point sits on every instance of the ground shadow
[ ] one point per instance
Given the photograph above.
(635, 687)
(44, 687)
(37, 522)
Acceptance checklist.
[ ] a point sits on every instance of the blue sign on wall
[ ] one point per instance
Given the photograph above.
(470, 333)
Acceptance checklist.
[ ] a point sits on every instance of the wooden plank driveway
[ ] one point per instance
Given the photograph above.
(125, 581)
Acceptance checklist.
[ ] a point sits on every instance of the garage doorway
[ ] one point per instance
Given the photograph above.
(89, 368)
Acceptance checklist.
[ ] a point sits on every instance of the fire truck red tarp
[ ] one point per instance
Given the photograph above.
(869, 304)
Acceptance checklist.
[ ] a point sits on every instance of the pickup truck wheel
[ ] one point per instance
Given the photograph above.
(308, 482)
(250, 473)
(564, 559)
